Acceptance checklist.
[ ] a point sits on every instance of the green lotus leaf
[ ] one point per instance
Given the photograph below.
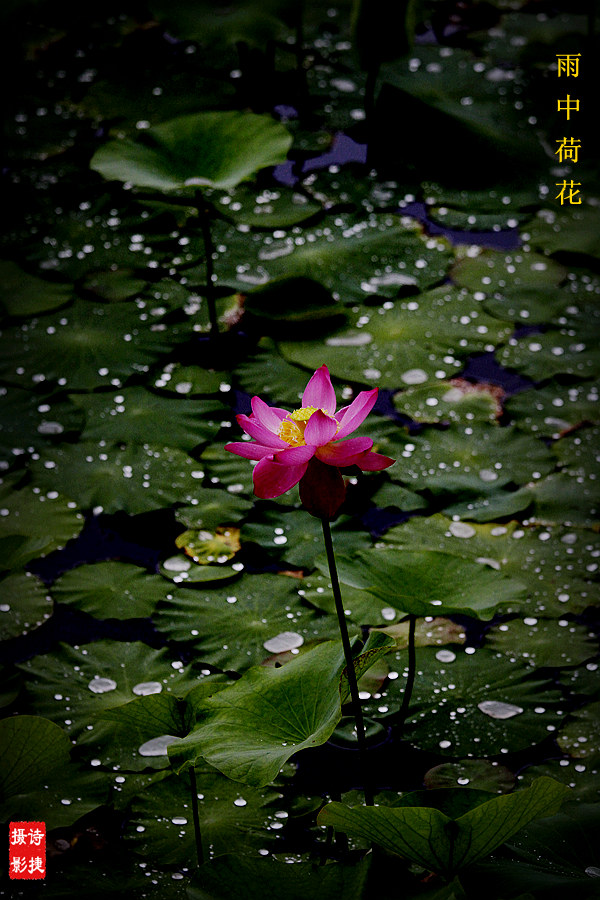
(580, 737)
(110, 590)
(213, 507)
(271, 208)
(249, 730)
(221, 879)
(448, 401)
(190, 380)
(25, 604)
(555, 408)
(439, 843)
(135, 415)
(217, 27)
(38, 781)
(23, 295)
(84, 347)
(266, 374)
(33, 523)
(479, 774)
(426, 582)
(233, 818)
(415, 341)
(492, 271)
(208, 149)
(231, 627)
(297, 537)
(180, 568)
(575, 231)
(467, 462)
(114, 285)
(352, 259)
(558, 565)
(478, 113)
(542, 642)
(71, 685)
(467, 704)
(31, 422)
(554, 352)
(109, 478)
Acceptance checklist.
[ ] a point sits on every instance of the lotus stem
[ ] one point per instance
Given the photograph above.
(410, 679)
(204, 214)
(352, 682)
(196, 816)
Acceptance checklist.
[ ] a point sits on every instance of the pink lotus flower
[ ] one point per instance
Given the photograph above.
(307, 444)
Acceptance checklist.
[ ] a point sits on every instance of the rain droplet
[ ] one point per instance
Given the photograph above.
(414, 376)
(102, 685)
(497, 709)
(446, 656)
(286, 640)
(462, 530)
(156, 746)
(147, 687)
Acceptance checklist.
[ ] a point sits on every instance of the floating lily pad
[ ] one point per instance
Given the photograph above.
(571, 495)
(266, 374)
(233, 472)
(25, 604)
(213, 507)
(479, 116)
(39, 780)
(114, 284)
(110, 590)
(428, 632)
(207, 546)
(410, 343)
(518, 270)
(575, 231)
(543, 642)
(189, 380)
(555, 408)
(352, 259)
(580, 737)
(554, 352)
(23, 295)
(479, 774)
(135, 478)
(450, 401)
(274, 874)
(556, 564)
(209, 149)
(228, 627)
(424, 582)
(483, 705)
(469, 461)
(31, 422)
(34, 522)
(84, 347)
(72, 686)
(361, 608)
(232, 818)
(135, 415)
(271, 208)
(180, 568)
(297, 537)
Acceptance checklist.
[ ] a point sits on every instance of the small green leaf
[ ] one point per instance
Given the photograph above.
(210, 149)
